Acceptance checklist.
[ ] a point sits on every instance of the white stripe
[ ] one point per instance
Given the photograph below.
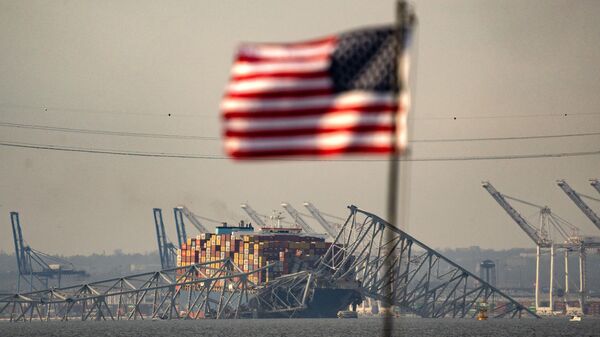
(348, 98)
(331, 120)
(250, 68)
(278, 84)
(330, 141)
(286, 51)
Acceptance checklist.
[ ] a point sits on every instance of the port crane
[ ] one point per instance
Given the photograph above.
(35, 267)
(576, 198)
(166, 249)
(297, 217)
(274, 217)
(193, 219)
(541, 236)
(329, 227)
(538, 235)
(180, 226)
(253, 215)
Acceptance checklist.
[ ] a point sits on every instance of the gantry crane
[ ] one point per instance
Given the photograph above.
(538, 235)
(541, 236)
(576, 198)
(193, 219)
(180, 226)
(329, 228)
(253, 215)
(166, 250)
(35, 267)
(297, 217)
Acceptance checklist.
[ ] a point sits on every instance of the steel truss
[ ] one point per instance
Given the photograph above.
(286, 295)
(216, 289)
(423, 281)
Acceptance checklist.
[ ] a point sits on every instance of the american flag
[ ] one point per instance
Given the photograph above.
(328, 96)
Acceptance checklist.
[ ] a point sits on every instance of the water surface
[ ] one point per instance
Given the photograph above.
(306, 327)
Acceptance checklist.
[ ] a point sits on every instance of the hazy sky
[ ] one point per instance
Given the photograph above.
(126, 65)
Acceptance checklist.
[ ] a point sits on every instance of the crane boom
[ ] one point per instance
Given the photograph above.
(193, 219)
(574, 196)
(595, 184)
(253, 215)
(180, 226)
(297, 218)
(516, 216)
(19, 244)
(329, 228)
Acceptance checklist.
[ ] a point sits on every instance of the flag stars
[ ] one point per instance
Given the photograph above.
(365, 60)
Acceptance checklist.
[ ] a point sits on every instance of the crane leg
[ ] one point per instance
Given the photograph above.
(551, 278)
(582, 278)
(566, 272)
(537, 278)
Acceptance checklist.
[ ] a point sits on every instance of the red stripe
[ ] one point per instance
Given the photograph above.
(307, 131)
(282, 74)
(362, 108)
(283, 93)
(310, 152)
(253, 58)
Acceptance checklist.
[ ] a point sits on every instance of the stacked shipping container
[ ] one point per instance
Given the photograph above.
(288, 252)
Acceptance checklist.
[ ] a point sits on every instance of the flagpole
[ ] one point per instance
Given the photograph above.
(402, 22)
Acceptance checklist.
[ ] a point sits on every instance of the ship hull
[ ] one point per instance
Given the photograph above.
(325, 303)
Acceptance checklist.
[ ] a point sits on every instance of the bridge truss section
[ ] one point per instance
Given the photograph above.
(422, 281)
(285, 296)
(216, 289)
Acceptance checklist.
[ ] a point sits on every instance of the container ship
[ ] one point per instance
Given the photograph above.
(287, 249)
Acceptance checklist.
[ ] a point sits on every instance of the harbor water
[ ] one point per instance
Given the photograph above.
(307, 327)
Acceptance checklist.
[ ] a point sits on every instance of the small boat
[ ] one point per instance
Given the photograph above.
(347, 314)
(575, 318)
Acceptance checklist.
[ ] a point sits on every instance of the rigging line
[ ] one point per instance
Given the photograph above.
(207, 219)
(589, 197)
(218, 157)
(523, 201)
(104, 132)
(504, 138)
(333, 216)
(42, 108)
(108, 151)
(53, 109)
(454, 117)
(214, 138)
